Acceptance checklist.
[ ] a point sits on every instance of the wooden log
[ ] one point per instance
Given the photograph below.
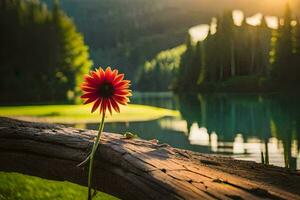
(135, 168)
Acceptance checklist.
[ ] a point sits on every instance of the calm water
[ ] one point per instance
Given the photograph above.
(247, 127)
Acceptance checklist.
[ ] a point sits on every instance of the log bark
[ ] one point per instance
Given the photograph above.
(135, 168)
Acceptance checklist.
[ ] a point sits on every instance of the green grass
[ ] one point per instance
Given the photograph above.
(70, 114)
(15, 186)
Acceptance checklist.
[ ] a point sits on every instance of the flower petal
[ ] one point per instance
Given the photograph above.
(113, 75)
(124, 83)
(115, 105)
(89, 95)
(121, 100)
(89, 79)
(90, 100)
(88, 89)
(122, 92)
(108, 73)
(93, 83)
(109, 106)
(118, 78)
(96, 104)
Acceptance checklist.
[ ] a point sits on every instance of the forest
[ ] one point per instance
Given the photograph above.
(127, 33)
(244, 58)
(42, 48)
(43, 56)
(236, 58)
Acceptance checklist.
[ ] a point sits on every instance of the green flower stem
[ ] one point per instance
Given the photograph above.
(91, 156)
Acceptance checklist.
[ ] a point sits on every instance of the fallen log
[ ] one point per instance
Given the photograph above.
(135, 168)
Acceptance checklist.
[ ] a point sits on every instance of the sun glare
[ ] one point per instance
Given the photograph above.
(293, 23)
(199, 33)
(213, 26)
(272, 22)
(255, 20)
(238, 17)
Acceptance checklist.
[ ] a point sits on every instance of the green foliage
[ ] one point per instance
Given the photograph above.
(14, 186)
(43, 57)
(125, 33)
(239, 84)
(237, 50)
(243, 51)
(286, 68)
(191, 70)
(158, 74)
(283, 47)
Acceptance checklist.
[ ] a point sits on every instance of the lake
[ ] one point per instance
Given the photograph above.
(261, 128)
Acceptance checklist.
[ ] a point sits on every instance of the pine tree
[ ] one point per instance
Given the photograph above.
(74, 54)
(296, 51)
(196, 71)
(226, 45)
(261, 49)
(243, 42)
(265, 39)
(211, 61)
(185, 66)
(284, 51)
(297, 38)
(43, 57)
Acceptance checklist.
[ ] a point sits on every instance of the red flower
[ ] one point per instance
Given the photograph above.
(106, 89)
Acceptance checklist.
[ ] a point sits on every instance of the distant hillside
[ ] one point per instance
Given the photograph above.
(125, 33)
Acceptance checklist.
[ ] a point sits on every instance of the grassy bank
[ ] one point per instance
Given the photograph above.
(15, 186)
(70, 114)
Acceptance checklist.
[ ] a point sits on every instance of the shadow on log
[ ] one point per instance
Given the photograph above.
(137, 169)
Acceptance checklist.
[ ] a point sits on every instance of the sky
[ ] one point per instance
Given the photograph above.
(268, 7)
(200, 32)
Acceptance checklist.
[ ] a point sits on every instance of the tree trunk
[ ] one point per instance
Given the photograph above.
(135, 168)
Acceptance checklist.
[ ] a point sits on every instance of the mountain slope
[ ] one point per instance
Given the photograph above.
(125, 33)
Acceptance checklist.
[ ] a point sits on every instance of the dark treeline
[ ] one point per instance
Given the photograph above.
(43, 57)
(125, 33)
(267, 117)
(243, 58)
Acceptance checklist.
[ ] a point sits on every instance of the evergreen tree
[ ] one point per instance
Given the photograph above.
(284, 51)
(243, 42)
(185, 66)
(297, 38)
(211, 59)
(43, 56)
(197, 71)
(74, 57)
(225, 43)
(265, 34)
(261, 49)
(296, 64)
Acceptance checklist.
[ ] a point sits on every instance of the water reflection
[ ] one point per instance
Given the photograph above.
(248, 127)
(158, 99)
(252, 127)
